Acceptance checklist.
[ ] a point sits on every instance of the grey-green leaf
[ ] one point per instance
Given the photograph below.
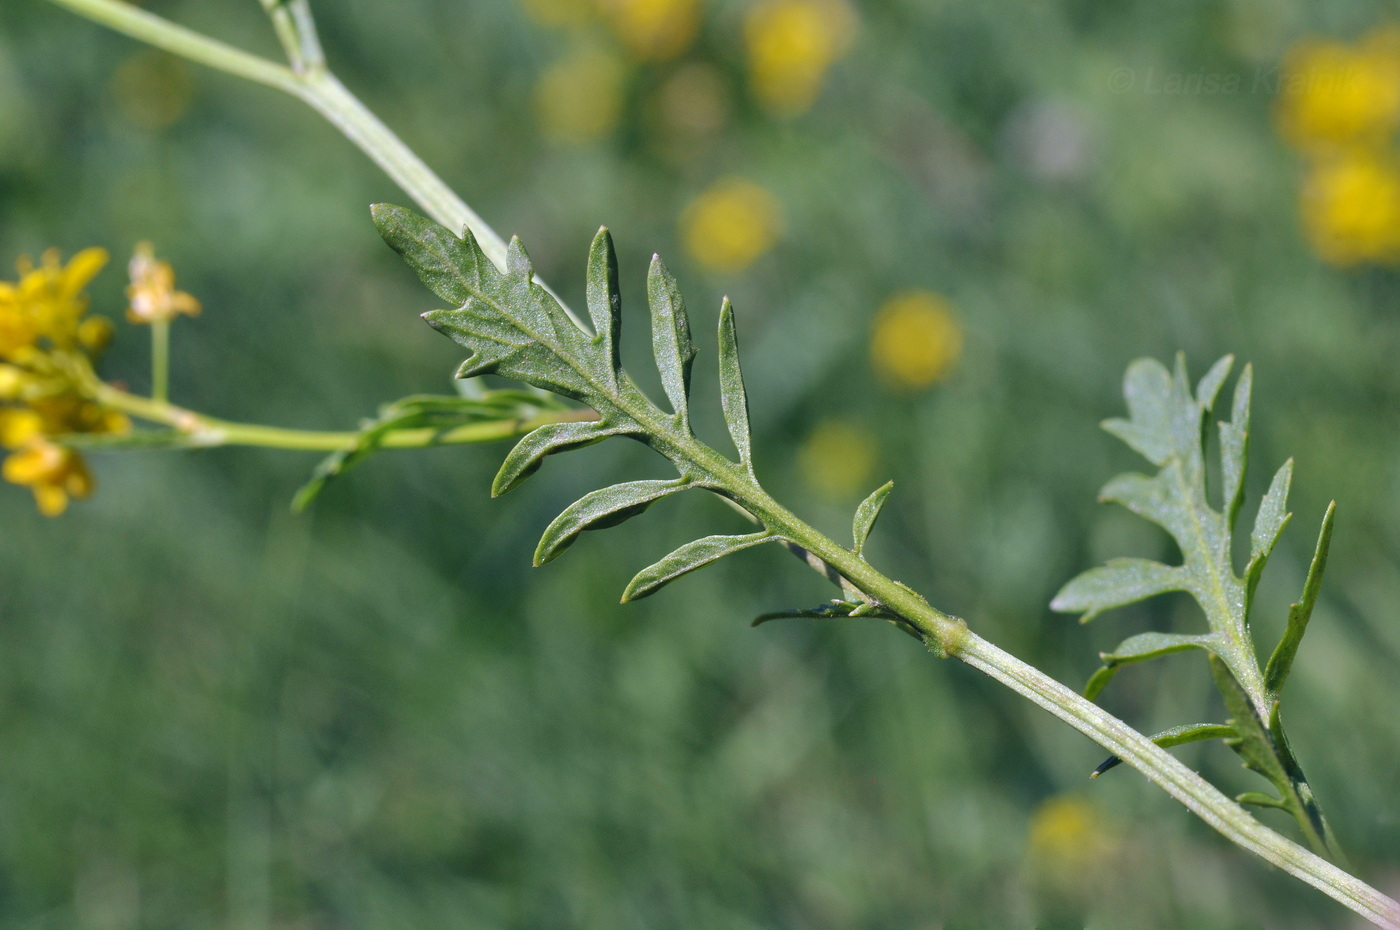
(1141, 648)
(687, 558)
(1209, 387)
(867, 513)
(1148, 389)
(670, 335)
(1281, 662)
(1251, 740)
(1269, 524)
(605, 298)
(601, 509)
(732, 398)
(1116, 584)
(1234, 447)
(529, 452)
(1260, 799)
(1176, 736)
(453, 268)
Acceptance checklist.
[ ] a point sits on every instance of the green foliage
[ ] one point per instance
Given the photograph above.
(515, 328)
(1168, 426)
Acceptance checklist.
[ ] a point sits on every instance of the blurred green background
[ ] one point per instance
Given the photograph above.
(377, 715)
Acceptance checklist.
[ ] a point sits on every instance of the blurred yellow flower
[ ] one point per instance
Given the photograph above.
(791, 44)
(837, 458)
(693, 103)
(152, 89)
(152, 293)
(579, 98)
(51, 472)
(46, 348)
(916, 340)
(1351, 208)
(730, 225)
(654, 29)
(1333, 93)
(1068, 839)
(47, 302)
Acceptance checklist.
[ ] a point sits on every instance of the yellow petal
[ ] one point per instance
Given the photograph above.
(81, 269)
(18, 425)
(78, 481)
(52, 501)
(29, 465)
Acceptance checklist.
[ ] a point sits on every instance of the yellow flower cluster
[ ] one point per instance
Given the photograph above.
(791, 44)
(730, 225)
(580, 97)
(1339, 105)
(47, 346)
(916, 340)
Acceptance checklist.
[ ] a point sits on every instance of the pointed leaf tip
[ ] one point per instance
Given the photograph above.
(732, 398)
(688, 558)
(600, 510)
(670, 334)
(525, 459)
(867, 513)
(1281, 661)
(604, 299)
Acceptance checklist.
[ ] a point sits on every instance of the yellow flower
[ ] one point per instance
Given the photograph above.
(838, 458)
(916, 340)
(654, 29)
(1070, 842)
(152, 292)
(730, 225)
(580, 97)
(46, 347)
(47, 303)
(52, 473)
(1351, 208)
(791, 44)
(152, 89)
(1333, 93)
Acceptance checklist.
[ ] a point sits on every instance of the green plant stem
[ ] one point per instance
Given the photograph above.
(950, 636)
(315, 85)
(311, 82)
(160, 360)
(199, 431)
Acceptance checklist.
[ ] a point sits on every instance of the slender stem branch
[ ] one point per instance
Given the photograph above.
(311, 82)
(154, 30)
(203, 431)
(950, 636)
(160, 360)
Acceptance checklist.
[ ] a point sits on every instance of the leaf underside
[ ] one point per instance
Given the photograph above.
(516, 329)
(1168, 426)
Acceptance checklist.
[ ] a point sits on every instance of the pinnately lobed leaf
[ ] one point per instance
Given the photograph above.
(1166, 425)
(516, 329)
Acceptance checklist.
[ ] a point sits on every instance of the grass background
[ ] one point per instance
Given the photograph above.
(215, 714)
